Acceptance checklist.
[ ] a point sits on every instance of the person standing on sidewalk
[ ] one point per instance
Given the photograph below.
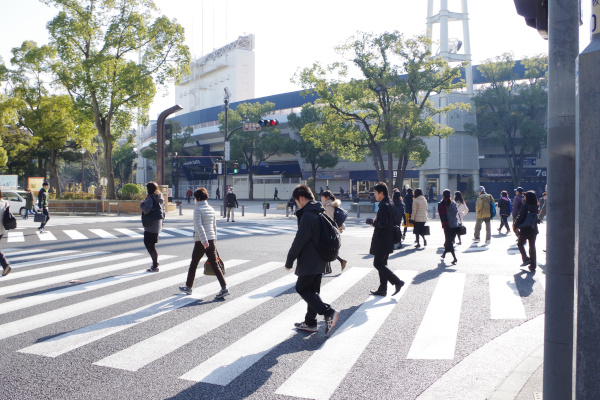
(505, 206)
(205, 239)
(408, 202)
(462, 208)
(330, 203)
(43, 205)
(310, 266)
(218, 194)
(382, 242)
(483, 208)
(528, 234)
(419, 216)
(151, 231)
(188, 194)
(3, 207)
(232, 203)
(448, 212)
(28, 204)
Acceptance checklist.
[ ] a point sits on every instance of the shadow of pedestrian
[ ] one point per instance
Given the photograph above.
(432, 273)
(524, 281)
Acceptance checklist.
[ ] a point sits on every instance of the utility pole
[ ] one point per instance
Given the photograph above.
(160, 142)
(563, 49)
(586, 374)
(225, 155)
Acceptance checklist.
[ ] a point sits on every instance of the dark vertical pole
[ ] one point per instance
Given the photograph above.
(224, 193)
(563, 37)
(587, 252)
(160, 142)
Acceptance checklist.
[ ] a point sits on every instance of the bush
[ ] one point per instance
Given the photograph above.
(76, 196)
(130, 189)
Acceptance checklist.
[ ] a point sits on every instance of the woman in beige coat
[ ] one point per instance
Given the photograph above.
(330, 203)
(419, 215)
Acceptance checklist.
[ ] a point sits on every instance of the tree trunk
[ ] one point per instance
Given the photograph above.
(110, 175)
(402, 163)
(314, 177)
(390, 172)
(55, 182)
(251, 182)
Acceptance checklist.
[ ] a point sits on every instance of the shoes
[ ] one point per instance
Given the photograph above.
(185, 289)
(403, 237)
(475, 240)
(378, 293)
(227, 219)
(499, 230)
(459, 243)
(443, 255)
(232, 221)
(304, 327)
(222, 293)
(152, 269)
(6, 270)
(344, 262)
(487, 242)
(398, 287)
(424, 242)
(507, 231)
(454, 261)
(526, 263)
(331, 320)
(418, 246)
(532, 267)
(41, 230)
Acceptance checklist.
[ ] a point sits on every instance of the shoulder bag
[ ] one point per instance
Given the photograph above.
(530, 221)
(9, 221)
(154, 215)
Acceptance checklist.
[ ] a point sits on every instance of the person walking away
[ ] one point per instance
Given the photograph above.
(431, 194)
(43, 205)
(310, 266)
(330, 203)
(517, 204)
(398, 212)
(3, 207)
(188, 194)
(528, 234)
(543, 209)
(232, 203)
(382, 242)
(151, 231)
(218, 194)
(408, 202)
(505, 206)
(419, 216)
(28, 204)
(205, 239)
(448, 212)
(462, 208)
(275, 195)
(483, 208)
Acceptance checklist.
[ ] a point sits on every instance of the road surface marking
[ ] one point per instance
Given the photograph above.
(505, 299)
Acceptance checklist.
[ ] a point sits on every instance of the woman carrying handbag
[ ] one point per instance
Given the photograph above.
(419, 215)
(3, 209)
(205, 237)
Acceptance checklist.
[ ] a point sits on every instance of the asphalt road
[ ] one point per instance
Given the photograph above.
(123, 333)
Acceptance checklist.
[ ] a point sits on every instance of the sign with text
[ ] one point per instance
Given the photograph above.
(8, 181)
(251, 127)
(35, 183)
(227, 151)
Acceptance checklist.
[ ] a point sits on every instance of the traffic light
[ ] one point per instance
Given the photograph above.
(535, 13)
(169, 138)
(236, 168)
(268, 122)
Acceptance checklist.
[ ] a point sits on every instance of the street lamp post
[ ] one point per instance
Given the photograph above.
(82, 151)
(225, 155)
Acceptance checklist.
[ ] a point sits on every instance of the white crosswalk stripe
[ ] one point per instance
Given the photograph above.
(103, 234)
(76, 235)
(15, 236)
(435, 337)
(129, 232)
(45, 236)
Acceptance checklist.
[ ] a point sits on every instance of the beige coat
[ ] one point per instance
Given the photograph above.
(419, 209)
(330, 207)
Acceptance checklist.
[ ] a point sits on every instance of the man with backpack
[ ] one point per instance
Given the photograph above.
(382, 243)
(310, 265)
(485, 207)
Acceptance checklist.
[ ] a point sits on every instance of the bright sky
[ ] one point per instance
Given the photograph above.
(295, 34)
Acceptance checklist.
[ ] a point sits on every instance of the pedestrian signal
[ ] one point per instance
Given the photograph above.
(236, 168)
(268, 122)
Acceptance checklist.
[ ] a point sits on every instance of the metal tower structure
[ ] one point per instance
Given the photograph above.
(449, 33)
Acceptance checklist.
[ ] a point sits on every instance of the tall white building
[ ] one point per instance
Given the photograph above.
(231, 66)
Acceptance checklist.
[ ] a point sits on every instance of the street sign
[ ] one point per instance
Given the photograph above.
(227, 151)
(103, 181)
(251, 127)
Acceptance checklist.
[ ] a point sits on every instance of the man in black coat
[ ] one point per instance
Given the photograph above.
(232, 203)
(310, 266)
(382, 243)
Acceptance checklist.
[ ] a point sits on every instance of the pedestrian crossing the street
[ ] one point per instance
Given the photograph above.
(30, 303)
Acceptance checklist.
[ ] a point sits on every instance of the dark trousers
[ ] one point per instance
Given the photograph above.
(309, 287)
(150, 240)
(521, 245)
(504, 222)
(45, 212)
(188, 199)
(449, 236)
(3, 261)
(211, 254)
(385, 274)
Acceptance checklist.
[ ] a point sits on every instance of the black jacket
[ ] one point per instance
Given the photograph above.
(304, 248)
(526, 208)
(232, 200)
(43, 198)
(383, 236)
(398, 207)
(408, 200)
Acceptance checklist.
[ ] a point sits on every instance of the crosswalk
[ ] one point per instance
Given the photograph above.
(37, 285)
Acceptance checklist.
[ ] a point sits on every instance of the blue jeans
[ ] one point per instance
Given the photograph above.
(27, 211)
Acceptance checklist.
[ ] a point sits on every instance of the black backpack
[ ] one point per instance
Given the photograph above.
(155, 214)
(339, 216)
(329, 242)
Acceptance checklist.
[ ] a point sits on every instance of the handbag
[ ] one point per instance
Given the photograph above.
(397, 234)
(426, 231)
(9, 221)
(531, 221)
(461, 230)
(208, 269)
(39, 217)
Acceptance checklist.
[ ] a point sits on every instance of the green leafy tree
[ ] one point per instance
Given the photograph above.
(98, 43)
(254, 148)
(511, 111)
(386, 111)
(317, 157)
(123, 158)
(52, 119)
